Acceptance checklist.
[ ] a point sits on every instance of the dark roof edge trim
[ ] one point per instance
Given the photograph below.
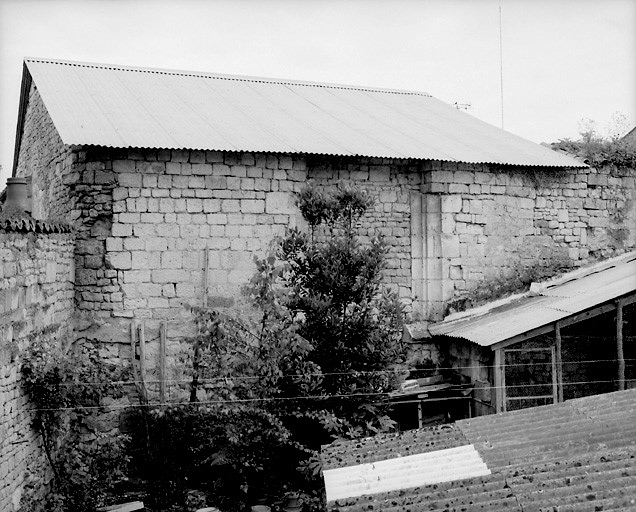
(25, 88)
(220, 76)
(26, 224)
(339, 155)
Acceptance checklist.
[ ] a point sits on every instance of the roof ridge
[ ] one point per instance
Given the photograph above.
(220, 76)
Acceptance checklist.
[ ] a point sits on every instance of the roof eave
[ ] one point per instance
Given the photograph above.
(25, 87)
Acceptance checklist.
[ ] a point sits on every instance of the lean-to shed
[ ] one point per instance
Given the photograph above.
(567, 337)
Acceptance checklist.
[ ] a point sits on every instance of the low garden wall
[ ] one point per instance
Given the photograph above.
(36, 300)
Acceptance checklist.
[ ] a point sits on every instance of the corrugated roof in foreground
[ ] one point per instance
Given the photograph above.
(121, 106)
(579, 455)
(546, 303)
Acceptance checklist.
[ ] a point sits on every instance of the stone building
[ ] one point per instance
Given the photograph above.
(174, 180)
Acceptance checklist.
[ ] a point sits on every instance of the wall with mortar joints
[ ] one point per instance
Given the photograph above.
(48, 161)
(391, 183)
(73, 184)
(97, 290)
(36, 299)
(171, 206)
(502, 227)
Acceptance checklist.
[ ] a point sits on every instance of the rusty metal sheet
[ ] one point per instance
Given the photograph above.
(568, 296)
(121, 106)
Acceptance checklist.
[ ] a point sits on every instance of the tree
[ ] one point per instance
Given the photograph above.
(315, 363)
(333, 287)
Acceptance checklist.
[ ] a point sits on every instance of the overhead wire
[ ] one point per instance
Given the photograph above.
(386, 394)
(354, 373)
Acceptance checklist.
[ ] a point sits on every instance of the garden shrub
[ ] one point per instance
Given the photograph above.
(66, 387)
(313, 364)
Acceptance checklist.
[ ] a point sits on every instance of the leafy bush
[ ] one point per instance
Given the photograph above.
(314, 364)
(332, 286)
(236, 454)
(599, 151)
(66, 388)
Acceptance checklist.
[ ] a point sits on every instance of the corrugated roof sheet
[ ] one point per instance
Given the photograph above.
(410, 471)
(556, 300)
(120, 106)
(576, 455)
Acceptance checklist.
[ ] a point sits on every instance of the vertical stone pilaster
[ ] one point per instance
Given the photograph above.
(433, 257)
(418, 296)
(427, 264)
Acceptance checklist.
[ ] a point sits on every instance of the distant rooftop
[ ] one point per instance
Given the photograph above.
(120, 106)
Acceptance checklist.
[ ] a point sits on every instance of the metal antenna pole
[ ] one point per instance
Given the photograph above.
(501, 67)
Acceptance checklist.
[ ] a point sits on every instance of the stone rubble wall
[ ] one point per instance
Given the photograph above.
(36, 299)
(44, 157)
(499, 229)
(170, 208)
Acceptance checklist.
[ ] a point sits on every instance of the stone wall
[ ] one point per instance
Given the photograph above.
(391, 183)
(73, 184)
(163, 230)
(48, 162)
(36, 299)
(180, 217)
(498, 229)
(152, 225)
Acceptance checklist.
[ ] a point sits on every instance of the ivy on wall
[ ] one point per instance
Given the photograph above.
(66, 387)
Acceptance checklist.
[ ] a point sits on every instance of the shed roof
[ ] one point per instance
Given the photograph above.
(576, 455)
(545, 304)
(118, 106)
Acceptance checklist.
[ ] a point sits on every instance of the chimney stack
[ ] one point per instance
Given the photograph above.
(17, 195)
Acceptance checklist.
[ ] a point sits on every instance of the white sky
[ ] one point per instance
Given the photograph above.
(563, 60)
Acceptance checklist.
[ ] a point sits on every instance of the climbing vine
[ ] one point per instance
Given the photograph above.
(66, 387)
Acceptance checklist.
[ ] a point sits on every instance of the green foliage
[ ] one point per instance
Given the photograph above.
(314, 364)
(504, 286)
(599, 151)
(333, 287)
(236, 454)
(65, 389)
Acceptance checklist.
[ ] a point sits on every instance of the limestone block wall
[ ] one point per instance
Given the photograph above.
(161, 230)
(36, 299)
(392, 184)
(181, 217)
(498, 229)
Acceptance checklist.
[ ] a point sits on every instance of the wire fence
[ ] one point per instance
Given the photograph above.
(387, 394)
(202, 380)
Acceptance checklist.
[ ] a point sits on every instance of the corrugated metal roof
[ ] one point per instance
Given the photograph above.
(383, 446)
(571, 294)
(121, 106)
(410, 471)
(576, 455)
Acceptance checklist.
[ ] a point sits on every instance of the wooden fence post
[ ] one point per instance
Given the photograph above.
(162, 362)
(619, 345)
(559, 361)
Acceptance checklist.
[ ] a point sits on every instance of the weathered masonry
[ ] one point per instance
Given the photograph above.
(36, 304)
(174, 180)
